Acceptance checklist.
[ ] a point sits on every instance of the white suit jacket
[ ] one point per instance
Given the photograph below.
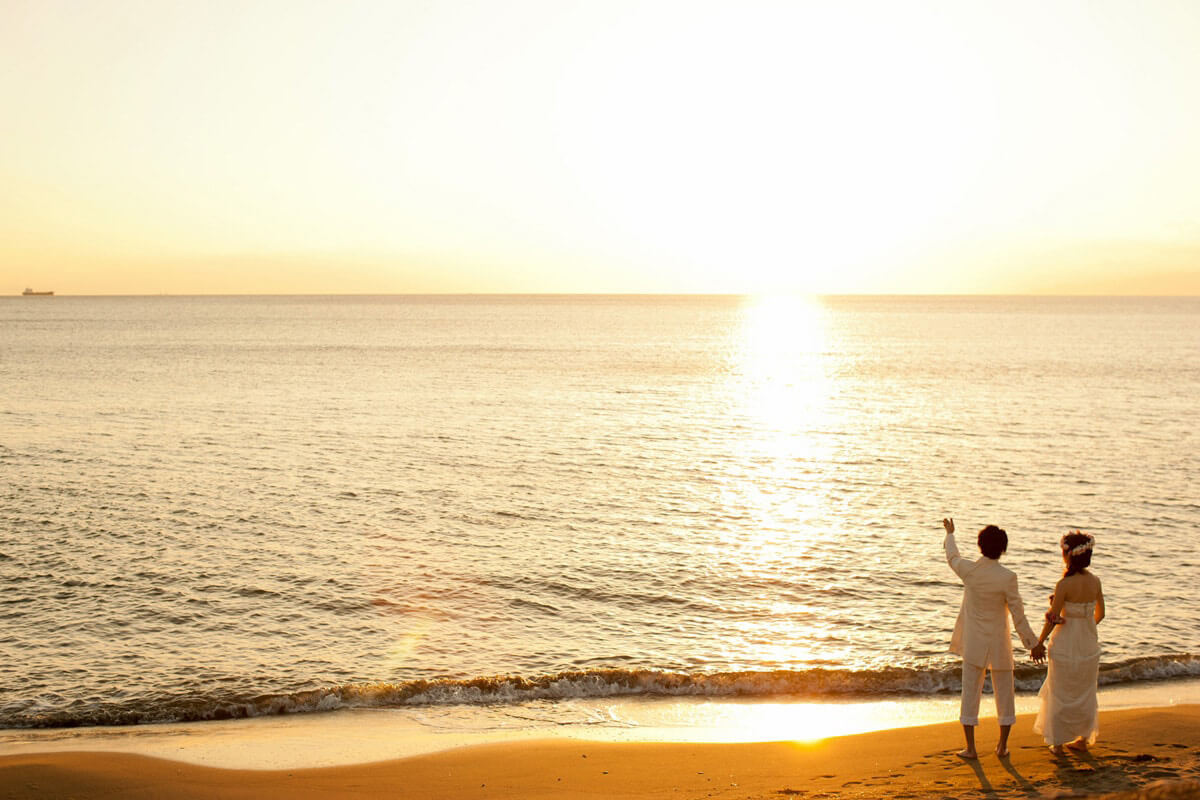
(981, 633)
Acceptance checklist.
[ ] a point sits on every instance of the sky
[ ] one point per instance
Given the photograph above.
(607, 146)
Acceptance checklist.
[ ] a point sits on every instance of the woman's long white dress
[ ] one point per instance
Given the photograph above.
(1068, 707)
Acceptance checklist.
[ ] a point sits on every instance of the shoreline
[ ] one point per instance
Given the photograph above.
(1137, 748)
(356, 736)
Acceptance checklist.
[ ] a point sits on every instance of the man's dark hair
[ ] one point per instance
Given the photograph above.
(993, 541)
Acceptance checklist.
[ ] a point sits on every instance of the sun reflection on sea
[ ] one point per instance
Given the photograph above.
(781, 393)
(780, 397)
(782, 337)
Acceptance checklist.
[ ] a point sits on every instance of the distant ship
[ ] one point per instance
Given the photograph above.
(32, 293)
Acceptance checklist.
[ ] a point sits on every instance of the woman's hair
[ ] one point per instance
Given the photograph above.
(1080, 561)
(993, 541)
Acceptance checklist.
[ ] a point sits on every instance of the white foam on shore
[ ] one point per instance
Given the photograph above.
(365, 735)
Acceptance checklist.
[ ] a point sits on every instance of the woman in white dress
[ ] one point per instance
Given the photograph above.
(1068, 714)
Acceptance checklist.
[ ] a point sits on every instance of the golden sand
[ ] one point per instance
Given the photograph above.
(1138, 748)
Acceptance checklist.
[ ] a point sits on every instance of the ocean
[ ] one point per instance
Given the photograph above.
(222, 507)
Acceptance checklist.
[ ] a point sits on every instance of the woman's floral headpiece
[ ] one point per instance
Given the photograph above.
(1078, 549)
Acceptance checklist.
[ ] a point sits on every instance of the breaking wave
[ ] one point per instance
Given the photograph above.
(593, 683)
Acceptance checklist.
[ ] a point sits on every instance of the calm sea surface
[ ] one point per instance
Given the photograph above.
(216, 507)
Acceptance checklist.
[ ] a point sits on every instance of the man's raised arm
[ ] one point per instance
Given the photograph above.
(960, 565)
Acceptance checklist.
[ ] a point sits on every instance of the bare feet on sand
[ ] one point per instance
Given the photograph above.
(967, 754)
(1001, 752)
(1057, 749)
(1079, 745)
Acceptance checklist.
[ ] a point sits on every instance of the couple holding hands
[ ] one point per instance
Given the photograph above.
(1068, 715)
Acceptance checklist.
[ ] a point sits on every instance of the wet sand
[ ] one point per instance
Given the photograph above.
(1137, 748)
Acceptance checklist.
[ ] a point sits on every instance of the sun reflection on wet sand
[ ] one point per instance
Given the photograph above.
(730, 720)
(778, 722)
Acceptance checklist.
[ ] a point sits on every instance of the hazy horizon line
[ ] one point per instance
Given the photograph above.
(605, 294)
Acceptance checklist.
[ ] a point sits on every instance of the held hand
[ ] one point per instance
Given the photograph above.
(1051, 616)
(1038, 653)
(948, 524)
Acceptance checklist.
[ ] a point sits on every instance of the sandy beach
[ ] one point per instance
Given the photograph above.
(1138, 748)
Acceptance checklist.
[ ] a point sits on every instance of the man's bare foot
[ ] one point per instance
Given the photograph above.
(1001, 752)
(967, 754)
(1057, 749)
(1079, 745)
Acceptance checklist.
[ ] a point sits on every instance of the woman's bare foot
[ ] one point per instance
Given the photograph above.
(968, 754)
(1001, 752)
(1057, 749)
(1079, 745)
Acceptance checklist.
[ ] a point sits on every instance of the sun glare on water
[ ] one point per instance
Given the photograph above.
(782, 341)
(784, 394)
(779, 396)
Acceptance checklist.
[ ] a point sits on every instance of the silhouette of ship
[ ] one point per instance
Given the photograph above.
(32, 293)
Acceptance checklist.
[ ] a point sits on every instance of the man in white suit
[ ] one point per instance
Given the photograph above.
(981, 634)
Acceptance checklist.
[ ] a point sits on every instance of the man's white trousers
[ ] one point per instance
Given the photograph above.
(972, 690)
